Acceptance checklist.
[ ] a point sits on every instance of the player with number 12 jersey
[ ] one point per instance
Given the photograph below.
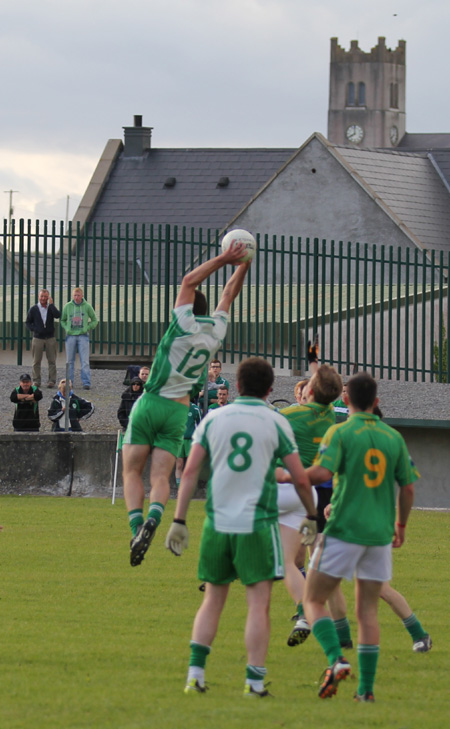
(176, 371)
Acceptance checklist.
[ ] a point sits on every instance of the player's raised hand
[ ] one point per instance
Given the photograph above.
(177, 538)
(313, 350)
(235, 253)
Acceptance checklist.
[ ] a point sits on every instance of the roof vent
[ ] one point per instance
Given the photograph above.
(170, 182)
(223, 182)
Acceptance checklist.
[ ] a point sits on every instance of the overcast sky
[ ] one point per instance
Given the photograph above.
(203, 73)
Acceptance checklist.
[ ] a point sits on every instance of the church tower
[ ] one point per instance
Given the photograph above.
(367, 95)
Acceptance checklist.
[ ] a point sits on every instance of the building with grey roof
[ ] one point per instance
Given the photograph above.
(364, 184)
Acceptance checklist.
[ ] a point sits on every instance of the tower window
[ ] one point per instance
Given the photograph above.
(393, 94)
(361, 94)
(351, 94)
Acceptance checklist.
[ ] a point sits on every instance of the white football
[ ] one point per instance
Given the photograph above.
(240, 236)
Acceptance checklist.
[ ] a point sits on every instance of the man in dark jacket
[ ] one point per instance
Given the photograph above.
(26, 415)
(40, 321)
(129, 397)
(79, 409)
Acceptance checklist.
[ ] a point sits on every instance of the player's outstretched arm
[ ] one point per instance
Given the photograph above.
(233, 287)
(177, 537)
(189, 479)
(405, 501)
(301, 481)
(319, 474)
(194, 278)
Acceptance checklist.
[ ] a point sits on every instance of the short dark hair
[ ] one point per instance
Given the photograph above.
(362, 391)
(254, 377)
(25, 378)
(200, 307)
(222, 387)
(326, 385)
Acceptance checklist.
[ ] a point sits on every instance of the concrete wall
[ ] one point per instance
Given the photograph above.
(429, 449)
(60, 464)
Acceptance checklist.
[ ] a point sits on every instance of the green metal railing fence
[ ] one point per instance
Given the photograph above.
(377, 308)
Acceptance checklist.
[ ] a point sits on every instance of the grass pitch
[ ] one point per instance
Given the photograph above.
(88, 641)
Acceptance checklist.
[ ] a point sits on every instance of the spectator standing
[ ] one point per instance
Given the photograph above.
(40, 321)
(129, 397)
(26, 397)
(78, 319)
(216, 367)
(79, 409)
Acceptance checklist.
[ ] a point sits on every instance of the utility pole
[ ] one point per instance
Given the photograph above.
(67, 211)
(10, 214)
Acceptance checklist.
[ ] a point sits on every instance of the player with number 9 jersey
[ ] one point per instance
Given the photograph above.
(367, 457)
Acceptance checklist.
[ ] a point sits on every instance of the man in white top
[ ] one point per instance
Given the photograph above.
(158, 419)
(241, 538)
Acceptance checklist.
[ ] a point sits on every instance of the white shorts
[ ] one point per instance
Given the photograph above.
(291, 511)
(342, 559)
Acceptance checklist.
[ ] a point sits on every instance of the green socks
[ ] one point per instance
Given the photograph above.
(300, 611)
(254, 677)
(414, 627)
(199, 654)
(156, 511)
(325, 632)
(343, 630)
(367, 661)
(136, 519)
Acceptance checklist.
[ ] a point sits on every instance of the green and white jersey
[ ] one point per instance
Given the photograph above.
(244, 441)
(341, 410)
(367, 457)
(309, 422)
(184, 351)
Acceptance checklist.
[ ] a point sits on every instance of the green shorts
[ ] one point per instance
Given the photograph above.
(157, 422)
(185, 447)
(250, 557)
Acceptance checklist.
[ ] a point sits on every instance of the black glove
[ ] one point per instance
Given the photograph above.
(313, 350)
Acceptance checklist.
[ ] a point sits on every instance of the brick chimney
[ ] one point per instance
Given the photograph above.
(137, 139)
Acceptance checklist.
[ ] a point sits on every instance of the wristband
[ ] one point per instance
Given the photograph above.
(180, 521)
(403, 526)
(313, 518)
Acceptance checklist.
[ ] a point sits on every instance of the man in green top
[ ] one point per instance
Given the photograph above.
(158, 419)
(222, 398)
(78, 319)
(309, 421)
(366, 457)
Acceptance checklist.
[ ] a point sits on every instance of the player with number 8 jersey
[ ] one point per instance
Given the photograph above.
(240, 537)
(236, 503)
